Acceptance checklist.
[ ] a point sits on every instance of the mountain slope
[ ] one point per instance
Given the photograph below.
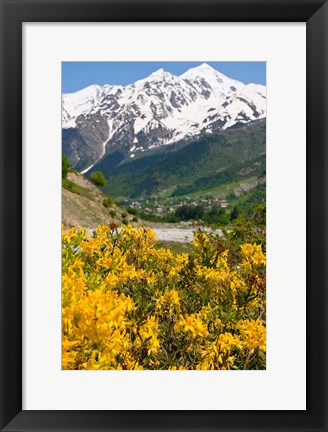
(157, 111)
(85, 208)
(202, 163)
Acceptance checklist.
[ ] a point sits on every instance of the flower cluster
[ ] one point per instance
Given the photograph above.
(129, 304)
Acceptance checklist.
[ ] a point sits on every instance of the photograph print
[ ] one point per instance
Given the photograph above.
(164, 215)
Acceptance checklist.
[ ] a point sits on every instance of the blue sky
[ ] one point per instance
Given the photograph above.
(77, 75)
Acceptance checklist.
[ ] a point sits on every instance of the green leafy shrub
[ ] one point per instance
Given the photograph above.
(107, 201)
(65, 166)
(132, 211)
(129, 303)
(98, 178)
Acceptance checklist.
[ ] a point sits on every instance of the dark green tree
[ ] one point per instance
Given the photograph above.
(234, 213)
(98, 178)
(65, 166)
(132, 211)
(187, 212)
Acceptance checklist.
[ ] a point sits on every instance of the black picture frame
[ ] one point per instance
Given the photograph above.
(13, 14)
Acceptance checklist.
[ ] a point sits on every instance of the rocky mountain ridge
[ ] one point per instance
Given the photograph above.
(159, 110)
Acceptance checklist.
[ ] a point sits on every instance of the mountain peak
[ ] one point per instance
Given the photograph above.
(160, 73)
(217, 81)
(205, 67)
(86, 91)
(202, 70)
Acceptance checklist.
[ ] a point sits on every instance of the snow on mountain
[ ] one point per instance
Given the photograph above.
(80, 102)
(206, 76)
(161, 109)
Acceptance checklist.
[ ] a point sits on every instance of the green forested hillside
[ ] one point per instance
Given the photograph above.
(250, 169)
(210, 161)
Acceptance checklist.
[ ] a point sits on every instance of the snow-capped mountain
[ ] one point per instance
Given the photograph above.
(158, 110)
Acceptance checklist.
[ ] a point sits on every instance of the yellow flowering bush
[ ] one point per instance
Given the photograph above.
(129, 304)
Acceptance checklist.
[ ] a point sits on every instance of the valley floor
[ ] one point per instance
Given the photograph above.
(179, 233)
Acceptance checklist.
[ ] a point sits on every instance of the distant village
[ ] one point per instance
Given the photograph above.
(159, 205)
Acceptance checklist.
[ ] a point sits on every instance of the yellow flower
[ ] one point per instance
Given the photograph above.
(149, 332)
(170, 299)
(252, 334)
(253, 254)
(127, 304)
(194, 325)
